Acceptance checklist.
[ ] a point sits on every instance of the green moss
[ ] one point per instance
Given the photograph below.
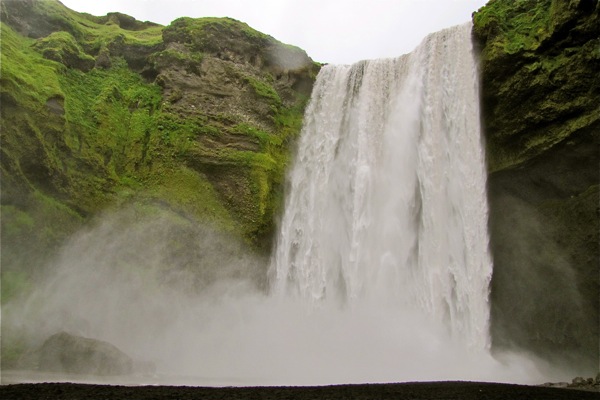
(77, 140)
(263, 137)
(72, 157)
(515, 27)
(267, 170)
(95, 33)
(21, 224)
(25, 75)
(540, 55)
(62, 47)
(108, 122)
(289, 119)
(264, 90)
(199, 33)
(55, 221)
(108, 115)
(190, 192)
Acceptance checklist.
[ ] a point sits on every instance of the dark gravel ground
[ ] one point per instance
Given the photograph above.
(413, 391)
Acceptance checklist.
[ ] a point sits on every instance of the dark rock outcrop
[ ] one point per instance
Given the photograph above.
(540, 89)
(63, 352)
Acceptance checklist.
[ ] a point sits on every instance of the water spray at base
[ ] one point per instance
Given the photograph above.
(227, 329)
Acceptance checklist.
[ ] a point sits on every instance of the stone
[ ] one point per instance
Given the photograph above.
(63, 352)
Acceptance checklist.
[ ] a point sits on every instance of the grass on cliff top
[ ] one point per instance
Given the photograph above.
(515, 26)
(95, 32)
(192, 30)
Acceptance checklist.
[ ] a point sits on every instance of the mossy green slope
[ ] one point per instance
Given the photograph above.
(540, 89)
(102, 112)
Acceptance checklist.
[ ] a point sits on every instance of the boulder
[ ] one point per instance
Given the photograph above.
(63, 352)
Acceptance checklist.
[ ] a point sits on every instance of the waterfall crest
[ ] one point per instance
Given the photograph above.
(387, 200)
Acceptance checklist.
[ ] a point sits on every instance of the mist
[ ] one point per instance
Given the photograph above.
(212, 321)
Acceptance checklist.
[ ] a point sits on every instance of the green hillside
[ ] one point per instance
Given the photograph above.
(98, 113)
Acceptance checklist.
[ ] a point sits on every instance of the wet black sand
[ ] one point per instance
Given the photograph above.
(413, 391)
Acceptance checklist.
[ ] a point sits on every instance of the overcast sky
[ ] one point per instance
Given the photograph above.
(333, 31)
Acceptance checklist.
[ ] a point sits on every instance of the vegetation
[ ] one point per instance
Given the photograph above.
(94, 33)
(198, 33)
(187, 122)
(522, 26)
(100, 112)
(537, 54)
(62, 47)
(266, 91)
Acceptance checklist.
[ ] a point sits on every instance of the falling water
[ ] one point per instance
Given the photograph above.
(387, 202)
(381, 269)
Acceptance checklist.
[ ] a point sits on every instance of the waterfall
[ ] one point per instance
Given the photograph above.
(381, 268)
(387, 202)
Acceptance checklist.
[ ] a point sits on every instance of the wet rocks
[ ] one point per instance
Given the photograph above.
(63, 352)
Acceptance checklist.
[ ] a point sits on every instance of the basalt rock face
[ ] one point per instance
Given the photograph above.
(540, 89)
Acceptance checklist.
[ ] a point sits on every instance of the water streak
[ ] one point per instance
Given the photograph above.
(387, 202)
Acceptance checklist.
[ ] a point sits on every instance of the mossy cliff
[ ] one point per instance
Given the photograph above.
(196, 118)
(541, 111)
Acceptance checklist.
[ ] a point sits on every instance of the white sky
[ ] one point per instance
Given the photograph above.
(333, 31)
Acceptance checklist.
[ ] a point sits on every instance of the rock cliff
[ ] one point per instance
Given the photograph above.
(541, 111)
(197, 117)
(189, 124)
